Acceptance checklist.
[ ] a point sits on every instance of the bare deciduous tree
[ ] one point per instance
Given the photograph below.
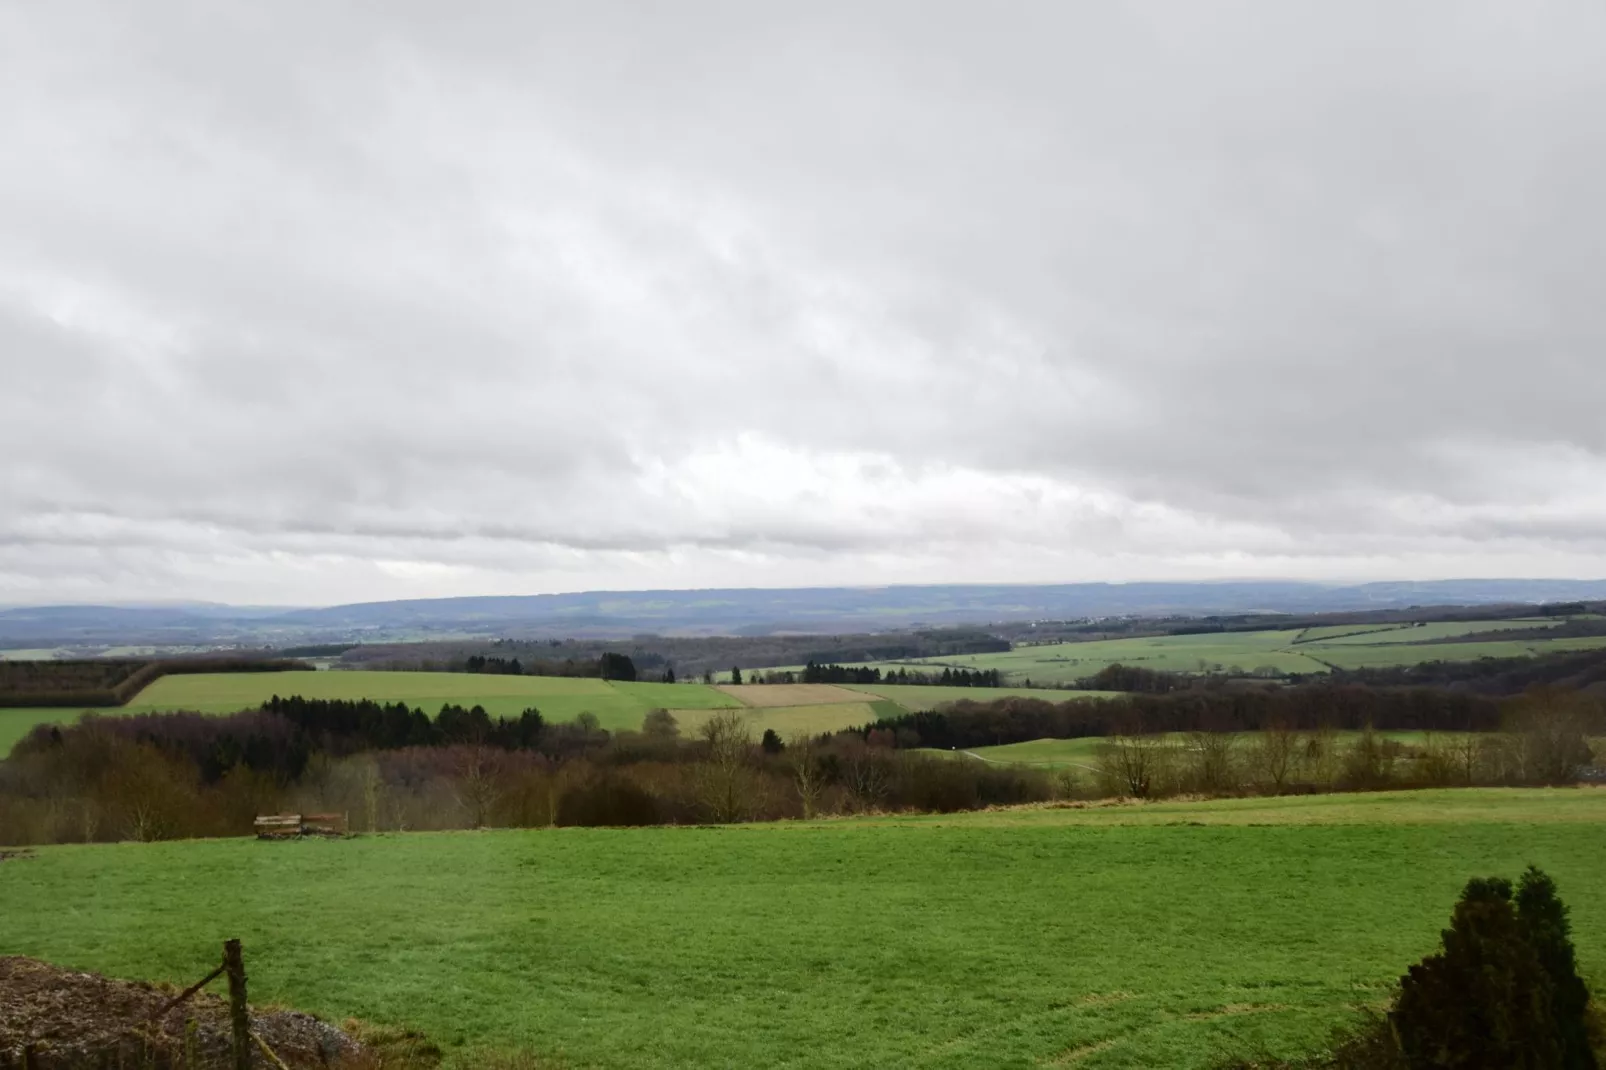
(723, 776)
(1213, 759)
(1132, 765)
(1273, 754)
(807, 773)
(476, 782)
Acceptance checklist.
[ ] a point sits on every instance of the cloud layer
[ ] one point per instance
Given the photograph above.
(310, 303)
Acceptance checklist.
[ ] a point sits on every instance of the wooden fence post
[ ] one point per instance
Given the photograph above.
(239, 1015)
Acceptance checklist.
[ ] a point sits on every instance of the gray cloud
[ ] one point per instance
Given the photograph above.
(311, 302)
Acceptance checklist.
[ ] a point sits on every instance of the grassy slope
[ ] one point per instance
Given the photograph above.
(1441, 629)
(1113, 937)
(1248, 651)
(924, 697)
(1386, 655)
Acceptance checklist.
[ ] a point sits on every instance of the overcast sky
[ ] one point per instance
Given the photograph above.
(319, 302)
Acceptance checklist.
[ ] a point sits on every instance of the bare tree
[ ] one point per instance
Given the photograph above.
(1132, 765)
(1552, 726)
(723, 776)
(1214, 761)
(807, 773)
(477, 782)
(867, 774)
(1273, 754)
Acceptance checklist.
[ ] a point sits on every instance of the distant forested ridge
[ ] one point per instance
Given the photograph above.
(756, 612)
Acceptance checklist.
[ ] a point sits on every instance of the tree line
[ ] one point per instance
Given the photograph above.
(608, 665)
(186, 774)
(162, 776)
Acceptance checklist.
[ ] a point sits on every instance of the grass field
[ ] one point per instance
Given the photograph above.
(1345, 656)
(926, 697)
(789, 694)
(1314, 650)
(1418, 633)
(1104, 937)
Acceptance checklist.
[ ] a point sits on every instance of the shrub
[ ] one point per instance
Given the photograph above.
(608, 800)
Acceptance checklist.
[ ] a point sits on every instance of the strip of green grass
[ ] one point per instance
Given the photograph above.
(1137, 936)
(916, 697)
(1391, 655)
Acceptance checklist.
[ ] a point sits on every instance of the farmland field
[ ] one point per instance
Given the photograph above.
(1119, 936)
(930, 696)
(1419, 633)
(789, 694)
(1306, 652)
(1346, 656)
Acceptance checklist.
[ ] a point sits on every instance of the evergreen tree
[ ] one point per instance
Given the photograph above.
(1543, 919)
(1484, 1002)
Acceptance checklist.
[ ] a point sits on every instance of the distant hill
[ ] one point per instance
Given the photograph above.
(609, 614)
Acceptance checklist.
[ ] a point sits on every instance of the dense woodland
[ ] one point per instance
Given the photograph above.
(111, 682)
(816, 673)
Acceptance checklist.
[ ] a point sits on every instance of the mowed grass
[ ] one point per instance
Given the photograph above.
(1100, 937)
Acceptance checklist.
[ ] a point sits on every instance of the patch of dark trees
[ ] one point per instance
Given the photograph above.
(111, 682)
(317, 650)
(607, 666)
(816, 673)
(1018, 719)
(280, 739)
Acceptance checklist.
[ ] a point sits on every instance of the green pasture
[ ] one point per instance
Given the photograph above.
(929, 697)
(1063, 663)
(1306, 652)
(1390, 634)
(1346, 656)
(1103, 937)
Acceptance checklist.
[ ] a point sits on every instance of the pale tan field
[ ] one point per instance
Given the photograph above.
(766, 695)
